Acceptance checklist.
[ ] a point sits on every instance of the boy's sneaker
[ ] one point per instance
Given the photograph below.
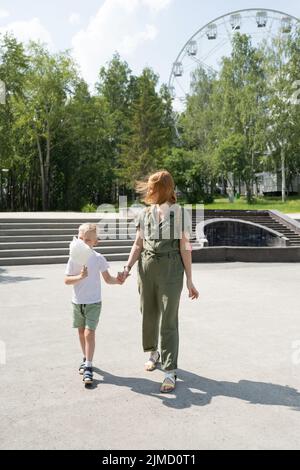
(88, 375)
(82, 367)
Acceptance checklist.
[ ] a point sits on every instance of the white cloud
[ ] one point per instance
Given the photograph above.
(74, 19)
(157, 5)
(28, 30)
(4, 13)
(119, 25)
(131, 42)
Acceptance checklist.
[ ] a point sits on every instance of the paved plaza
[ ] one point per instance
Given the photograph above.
(239, 376)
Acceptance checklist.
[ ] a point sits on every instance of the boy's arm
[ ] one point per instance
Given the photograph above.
(110, 279)
(73, 280)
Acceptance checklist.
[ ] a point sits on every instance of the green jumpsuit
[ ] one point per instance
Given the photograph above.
(160, 281)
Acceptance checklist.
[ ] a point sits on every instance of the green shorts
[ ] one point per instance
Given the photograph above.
(86, 316)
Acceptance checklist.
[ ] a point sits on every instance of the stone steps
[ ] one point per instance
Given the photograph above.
(43, 241)
(37, 232)
(46, 241)
(23, 245)
(59, 259)
(48, 238)
(26, 253)
(264, 218)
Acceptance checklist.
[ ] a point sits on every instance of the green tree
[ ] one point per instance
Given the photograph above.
(150, 130)
(115, 89)
(279, 125)
(13, 69)
(242, 90)
(87, 164)
(49, 84)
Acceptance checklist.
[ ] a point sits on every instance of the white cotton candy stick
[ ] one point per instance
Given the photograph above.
(80, 252)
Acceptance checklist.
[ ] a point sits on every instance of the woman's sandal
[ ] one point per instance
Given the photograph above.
(150, 365)
(169, 383)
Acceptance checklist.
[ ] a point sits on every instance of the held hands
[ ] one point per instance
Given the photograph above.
(120, 279)
(123, 276)
(193, 293)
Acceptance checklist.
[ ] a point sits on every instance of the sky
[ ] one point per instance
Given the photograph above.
(144, 32)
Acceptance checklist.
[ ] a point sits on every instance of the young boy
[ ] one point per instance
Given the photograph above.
(86, 299)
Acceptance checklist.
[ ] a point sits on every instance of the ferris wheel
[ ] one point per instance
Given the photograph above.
(214, 40)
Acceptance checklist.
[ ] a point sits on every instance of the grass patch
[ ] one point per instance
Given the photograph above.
(292, 205)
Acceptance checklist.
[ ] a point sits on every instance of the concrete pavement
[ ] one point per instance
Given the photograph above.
(239, 377)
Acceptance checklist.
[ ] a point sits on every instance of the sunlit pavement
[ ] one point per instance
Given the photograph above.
(239, 376)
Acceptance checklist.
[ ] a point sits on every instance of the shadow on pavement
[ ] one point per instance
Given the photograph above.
(5, 279)
(194, 390)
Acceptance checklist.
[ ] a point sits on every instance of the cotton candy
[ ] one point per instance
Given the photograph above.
(80, 252)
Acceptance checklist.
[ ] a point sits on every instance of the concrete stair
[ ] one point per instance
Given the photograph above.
(46, 241)
(265, 218)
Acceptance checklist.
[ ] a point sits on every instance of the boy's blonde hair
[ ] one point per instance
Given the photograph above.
(86, 228)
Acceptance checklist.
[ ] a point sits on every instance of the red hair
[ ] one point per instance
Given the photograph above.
(159, 189)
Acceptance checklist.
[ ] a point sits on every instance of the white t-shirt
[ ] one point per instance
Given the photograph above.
(88, 290)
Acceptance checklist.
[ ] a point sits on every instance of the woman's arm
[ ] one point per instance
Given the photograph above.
(135, 254)
(136, 250)
(186, 255)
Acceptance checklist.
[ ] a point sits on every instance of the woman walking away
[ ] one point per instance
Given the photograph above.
(163, 251)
